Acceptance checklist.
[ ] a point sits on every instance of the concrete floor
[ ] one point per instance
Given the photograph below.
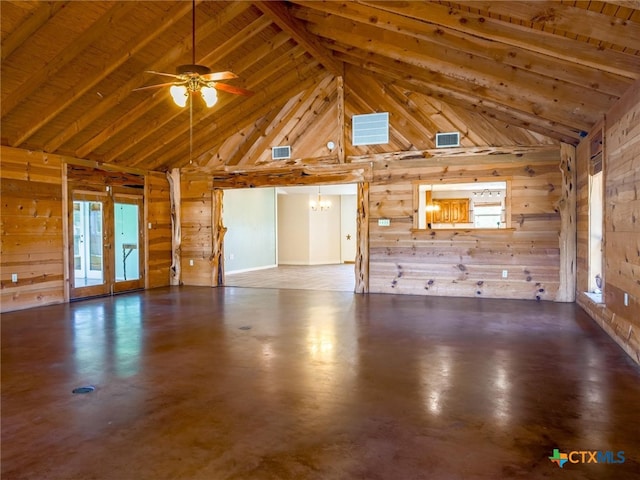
(243, 383)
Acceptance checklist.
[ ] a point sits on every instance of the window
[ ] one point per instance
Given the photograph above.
(462, 205)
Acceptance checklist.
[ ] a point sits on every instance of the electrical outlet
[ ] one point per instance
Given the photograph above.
(626, 299)
(14, 277)
(384, 222)
(231, 256)
(150, 225)
(505, 273)
(191, 262)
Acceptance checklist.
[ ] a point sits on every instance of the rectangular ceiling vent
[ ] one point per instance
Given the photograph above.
(370, 129)
(281, 153)
(444, 140)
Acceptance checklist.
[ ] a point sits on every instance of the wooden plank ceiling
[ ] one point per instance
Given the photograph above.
(501, 73)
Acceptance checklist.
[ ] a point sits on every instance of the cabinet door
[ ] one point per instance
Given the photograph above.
(455, 210)
(460, 210)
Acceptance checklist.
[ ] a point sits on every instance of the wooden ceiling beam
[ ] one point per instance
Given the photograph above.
(278, 92)
(110, 65)
(442, 116)
(69, 53)
(414, 79)
(436, 29)
(278, 130)
(257, 54)
(356, 104)
(416, 130)
(160, 95)
(296, 175)
(281, 17)
(324, 128)
(43, 12)
(567, 18)
(309, 123)
(246, 142)
(577, 53)
(169, 59)
(214, 136)
(223, 122)
(341, 140)
(518, 88)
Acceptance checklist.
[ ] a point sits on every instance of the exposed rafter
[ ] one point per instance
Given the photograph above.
(280, 15)
(501, 73)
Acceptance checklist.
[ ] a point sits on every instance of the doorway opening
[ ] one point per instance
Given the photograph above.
(309, 237)
(106, 240)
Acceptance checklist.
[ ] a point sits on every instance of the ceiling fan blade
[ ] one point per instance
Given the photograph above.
(232, 89)
(163, 73)
(158, 85)
(215, 76)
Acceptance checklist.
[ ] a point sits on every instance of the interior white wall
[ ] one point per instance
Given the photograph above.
(250, 217)
(265, 229)
(348, 228)
(293, 229)
(324, 232)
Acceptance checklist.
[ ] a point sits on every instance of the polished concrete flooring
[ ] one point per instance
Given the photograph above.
(244, 383)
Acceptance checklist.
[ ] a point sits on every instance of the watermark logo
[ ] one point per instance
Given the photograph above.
(559, 458)
(586, 456)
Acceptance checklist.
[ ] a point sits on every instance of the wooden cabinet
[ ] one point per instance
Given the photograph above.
(452, 210)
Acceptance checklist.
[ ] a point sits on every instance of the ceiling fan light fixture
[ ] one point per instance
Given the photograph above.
(179, 95)
(209, 95)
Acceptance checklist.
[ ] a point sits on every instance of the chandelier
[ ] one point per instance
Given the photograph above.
(320, 204)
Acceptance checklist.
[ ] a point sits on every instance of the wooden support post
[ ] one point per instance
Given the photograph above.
(175, 272)
(341, 128)
(219, 230)
(67, 243)
(362, 253)
(568, 228)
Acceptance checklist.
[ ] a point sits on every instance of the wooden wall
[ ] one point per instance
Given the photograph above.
(32, 229)
(468, 263)
(159, 235)
(582, 213)
(621, 169)
(197, 231)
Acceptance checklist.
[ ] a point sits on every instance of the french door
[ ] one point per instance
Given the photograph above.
(107, 243)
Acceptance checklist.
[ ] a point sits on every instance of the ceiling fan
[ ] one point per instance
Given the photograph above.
(193, 79)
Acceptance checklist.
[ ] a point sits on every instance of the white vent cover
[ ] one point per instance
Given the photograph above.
(451, 139)
(281, 153)
(370, 129)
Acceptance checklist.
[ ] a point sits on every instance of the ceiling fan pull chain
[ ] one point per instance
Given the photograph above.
(190, 129)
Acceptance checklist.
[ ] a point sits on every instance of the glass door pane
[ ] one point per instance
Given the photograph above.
(127, 254)
(88, 248)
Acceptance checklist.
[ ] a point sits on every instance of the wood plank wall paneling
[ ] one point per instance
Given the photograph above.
(31, 229)
(582, 212)
(197, 232)
(621, 169)
(32, 224)
(622, 219)
(159, 235)
(468, 263)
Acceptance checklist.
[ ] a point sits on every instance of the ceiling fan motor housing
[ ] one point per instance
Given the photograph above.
(194, 68)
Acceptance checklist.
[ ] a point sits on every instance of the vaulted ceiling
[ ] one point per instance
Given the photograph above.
(502, 73)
